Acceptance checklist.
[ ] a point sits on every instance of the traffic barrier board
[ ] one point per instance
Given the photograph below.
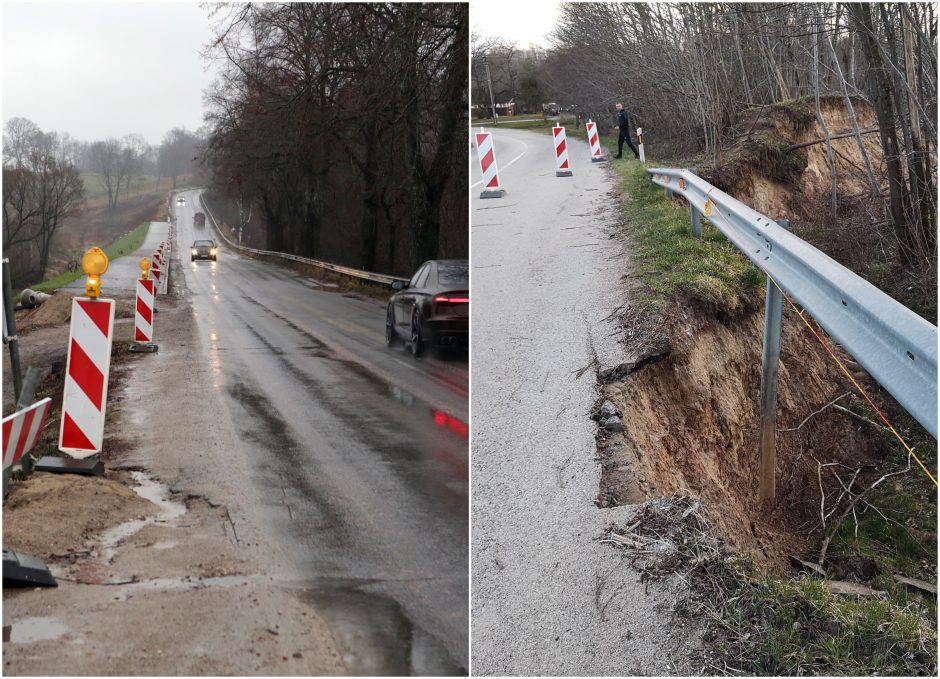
(86, 379)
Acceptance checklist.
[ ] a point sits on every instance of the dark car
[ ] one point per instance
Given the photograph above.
(433, 308)
(199, 220)
(203, 249)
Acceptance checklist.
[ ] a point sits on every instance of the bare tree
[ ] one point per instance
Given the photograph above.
(106, 156)
(19, 136)
(41, 188)
(177, 153)
(340, 122)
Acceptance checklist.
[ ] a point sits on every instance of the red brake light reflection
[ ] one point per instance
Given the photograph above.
(452, 423)
(447, 299)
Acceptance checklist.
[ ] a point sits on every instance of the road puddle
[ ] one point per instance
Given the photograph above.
(374, 635)
(155, 492)
(31, 630)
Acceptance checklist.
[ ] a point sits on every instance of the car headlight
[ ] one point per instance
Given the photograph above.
(212, 251)
(194, 251)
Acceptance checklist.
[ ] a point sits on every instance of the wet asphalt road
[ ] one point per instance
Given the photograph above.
(361, 450)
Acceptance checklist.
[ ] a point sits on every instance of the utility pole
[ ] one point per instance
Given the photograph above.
(489, 82)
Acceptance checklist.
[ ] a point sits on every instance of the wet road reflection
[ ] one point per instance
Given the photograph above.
(361, 453)
(374, 636)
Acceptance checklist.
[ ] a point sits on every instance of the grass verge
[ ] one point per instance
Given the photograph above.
(762, 624)
(125, 245)
(524, 124)
(670, 261)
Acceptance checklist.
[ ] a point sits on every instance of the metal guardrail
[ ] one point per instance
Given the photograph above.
(897, 347)
(344, 270)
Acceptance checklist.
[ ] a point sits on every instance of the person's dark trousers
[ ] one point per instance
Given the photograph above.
(625, 137)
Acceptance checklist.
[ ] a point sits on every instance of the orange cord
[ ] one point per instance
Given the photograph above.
(852, 379)
(843, 368)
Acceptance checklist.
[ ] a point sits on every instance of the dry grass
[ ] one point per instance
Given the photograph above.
(761, 624)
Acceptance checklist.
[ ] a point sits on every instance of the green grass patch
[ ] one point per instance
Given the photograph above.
(773, 626)
(537, 125)
(897, 525)
(125, 245)
(767, 624)
(671, 261)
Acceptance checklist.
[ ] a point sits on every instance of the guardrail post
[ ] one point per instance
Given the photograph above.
(767, 450)
(9, 327)
(696, 215)
(639, 136)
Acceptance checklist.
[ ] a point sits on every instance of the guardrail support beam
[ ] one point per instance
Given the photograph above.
(696, 216)
(770, 361)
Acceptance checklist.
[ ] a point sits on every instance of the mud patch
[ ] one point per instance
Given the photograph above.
(49, 515)
(54, 311)
(155, 492)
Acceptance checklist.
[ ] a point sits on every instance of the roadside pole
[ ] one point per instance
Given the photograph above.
(9, 330)
(770, 360)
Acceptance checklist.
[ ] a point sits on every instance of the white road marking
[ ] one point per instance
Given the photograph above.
(503, 167)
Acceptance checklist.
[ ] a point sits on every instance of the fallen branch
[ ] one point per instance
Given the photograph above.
(859, 417)
(841, 135)
(814, 414)
(850, 507)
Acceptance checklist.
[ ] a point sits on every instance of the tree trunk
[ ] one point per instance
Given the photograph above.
(884, 108)
(875, 187)
(833, 206)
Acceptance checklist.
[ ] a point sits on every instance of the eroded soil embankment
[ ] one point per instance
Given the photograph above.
(691, 425)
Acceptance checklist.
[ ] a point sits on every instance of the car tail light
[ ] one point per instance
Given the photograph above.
(452, 299)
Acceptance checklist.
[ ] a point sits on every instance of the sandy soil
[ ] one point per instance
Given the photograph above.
(691, 425)
(160, 572)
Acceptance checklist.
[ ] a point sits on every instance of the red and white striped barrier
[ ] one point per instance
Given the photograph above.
(562, 168)
(595, 141)
(86, 376)
(163, 258)
(487, 155)
(143, 316)
(21, 431)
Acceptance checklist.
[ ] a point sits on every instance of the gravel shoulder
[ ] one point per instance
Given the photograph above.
(547, 596)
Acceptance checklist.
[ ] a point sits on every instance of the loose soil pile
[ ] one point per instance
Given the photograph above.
(56, 513)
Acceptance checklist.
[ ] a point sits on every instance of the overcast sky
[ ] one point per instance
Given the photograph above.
(98, 70)
(523, 22)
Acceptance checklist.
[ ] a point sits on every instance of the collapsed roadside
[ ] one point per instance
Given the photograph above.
(838, 574)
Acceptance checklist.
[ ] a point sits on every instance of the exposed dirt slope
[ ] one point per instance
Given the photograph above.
(691, 425)
(760, 171)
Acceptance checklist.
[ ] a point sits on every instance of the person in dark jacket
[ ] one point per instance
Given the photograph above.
(624, 120)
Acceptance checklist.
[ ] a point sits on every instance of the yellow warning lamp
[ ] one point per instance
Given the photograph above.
(144, 268)
(94, 263)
